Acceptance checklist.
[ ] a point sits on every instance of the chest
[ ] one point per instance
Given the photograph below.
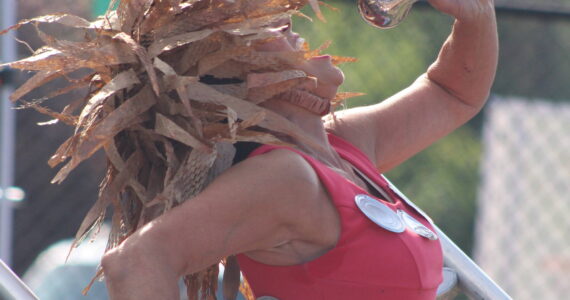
(371, 254)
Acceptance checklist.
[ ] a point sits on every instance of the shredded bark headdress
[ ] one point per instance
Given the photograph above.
(155, 103)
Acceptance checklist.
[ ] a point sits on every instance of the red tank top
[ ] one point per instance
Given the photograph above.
(368, 262)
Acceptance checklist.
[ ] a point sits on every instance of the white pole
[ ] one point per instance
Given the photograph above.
(7, 122)
(13, 285)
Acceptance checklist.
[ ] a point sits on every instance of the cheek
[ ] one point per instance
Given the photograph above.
(336, 76)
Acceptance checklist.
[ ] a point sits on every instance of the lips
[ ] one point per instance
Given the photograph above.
(321, 57)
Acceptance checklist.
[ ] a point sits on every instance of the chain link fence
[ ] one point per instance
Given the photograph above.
(522, 225)
(520, 237)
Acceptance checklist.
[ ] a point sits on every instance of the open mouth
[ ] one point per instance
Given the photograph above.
(298, 42)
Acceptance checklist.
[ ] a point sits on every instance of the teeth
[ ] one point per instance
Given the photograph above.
(299, 43)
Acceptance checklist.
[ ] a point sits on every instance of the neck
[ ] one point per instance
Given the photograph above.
(313, 126)
(310, 122)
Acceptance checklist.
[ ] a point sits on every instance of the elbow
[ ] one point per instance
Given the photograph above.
(116, 264)
(472, 96)
(126, 262)
(132, 274)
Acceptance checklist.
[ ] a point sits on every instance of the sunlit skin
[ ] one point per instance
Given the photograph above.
(272, 207)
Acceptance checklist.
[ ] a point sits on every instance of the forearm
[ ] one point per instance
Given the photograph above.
(467, 62)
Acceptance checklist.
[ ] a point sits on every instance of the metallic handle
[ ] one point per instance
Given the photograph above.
(384, 14)
(471, 279)
(12, 287)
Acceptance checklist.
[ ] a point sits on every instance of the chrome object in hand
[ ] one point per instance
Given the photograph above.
(384, 14)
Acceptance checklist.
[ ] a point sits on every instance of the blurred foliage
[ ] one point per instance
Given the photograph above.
(541, 47)
(389, 60)
(443, 181)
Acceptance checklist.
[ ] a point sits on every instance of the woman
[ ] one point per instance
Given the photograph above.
(291, 215)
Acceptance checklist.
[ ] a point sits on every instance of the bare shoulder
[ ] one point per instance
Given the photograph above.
(296, 197)
(281, 173)
(270, 190)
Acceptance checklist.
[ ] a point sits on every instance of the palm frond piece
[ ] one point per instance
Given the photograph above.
(166, 131)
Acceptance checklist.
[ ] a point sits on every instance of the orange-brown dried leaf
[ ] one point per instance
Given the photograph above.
(144, 58)
(336, 60)
(176, 41)
(245, 110)
(329, 6)
(315, 6)
(130, 14)
(190, 177)
(168, 128)
(39, 79)
(230, 69)
(260, 94)
(259, 8)
(217, 58)
(110, 192)
(49, 59)
(302, 15)
(97, 135)
(63, 19)
(216, 131)
(343, 96)
(253, 120)
(102, 50)
(232, 122)
(193, 53)
(64, 151)
(259, 137)
(253, 25)
(123, 80)
(255, 80)
(172, 166)
(271, 61)
(74, 86)
(195, 19)
(170, 107)
(316, 52)
(119, 164)
(160, 13)
(238, 90)
(67, 119)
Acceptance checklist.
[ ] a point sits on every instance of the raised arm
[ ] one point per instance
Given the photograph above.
(452, 91)
(258, 204)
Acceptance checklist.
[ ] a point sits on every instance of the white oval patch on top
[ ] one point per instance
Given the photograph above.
(379, 213)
